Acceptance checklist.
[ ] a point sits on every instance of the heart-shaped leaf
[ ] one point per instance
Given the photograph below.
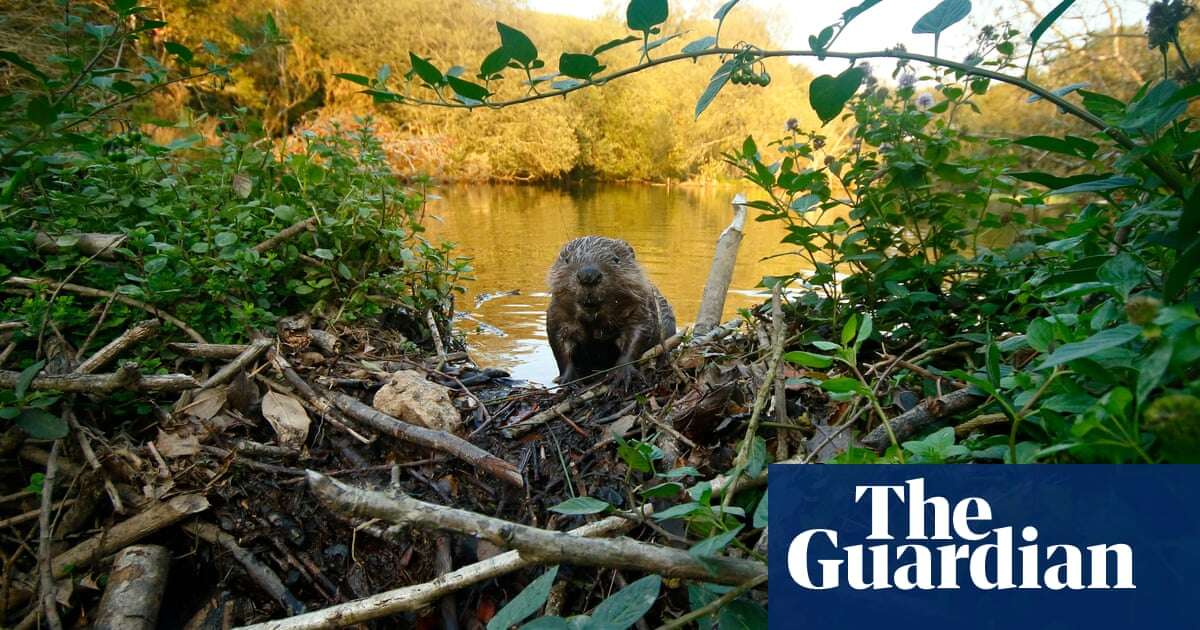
(943, 16)
(643, 15)
(828, 94)
(578, 66)
(427, 71)
(494, 62)
(518, 45)
(467, 89)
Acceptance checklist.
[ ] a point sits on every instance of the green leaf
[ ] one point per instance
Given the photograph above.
(25, 379)
(225, 239)
(714, 545)
(581, 505)
(623, 608)
(547, 623)
(662, 490)
(579, 66)
(865, 330)
(724, 10)
(1099, 185)
(1040, 335)
(756, 460)
(40, 111)
(700, 45)
(850, 329)
(760, 512)
(943, 16)
(427, 71)
(518, 46)
(321, 252)
(855, 11)
(42, 425)
(1186, 265)
(1070, 145)
(993, 364)
(643, 15)
(1098, 342)
(467, 89)
(527, 602)
(678, 511)
(1045, 24)
(842, 385)
(24, 64)
(742, 614)
(354, 78)
(1189, 218)
(1052, 182)
(179, 50)
(496, 61)
(718, 81)
(1124, 272)
(828, 95)
(613, 43)
(808, 359)
(1152, 369)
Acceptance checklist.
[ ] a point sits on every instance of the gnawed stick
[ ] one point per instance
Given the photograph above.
(542, 545)
(712, 302)
(134, 591)
(139, 331)
(91, 292)
(259, 572)
(47, 589)
(929, 412)
(285, 234)
(417, 596)
(438, 440)
(127, 377)
(209, 350)
(227, 371)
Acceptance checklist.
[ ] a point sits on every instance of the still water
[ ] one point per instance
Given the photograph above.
(514, 234)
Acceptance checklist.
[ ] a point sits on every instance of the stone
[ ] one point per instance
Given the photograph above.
(408, 396)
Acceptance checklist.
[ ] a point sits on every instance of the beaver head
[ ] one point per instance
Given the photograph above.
(594, 273)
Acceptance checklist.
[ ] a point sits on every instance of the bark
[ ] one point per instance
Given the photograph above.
(135, 586)
(125, 378)
(929, 412)
(209, 350)
(285, 234)
(141, 330)
(252, 352)
(712, 303)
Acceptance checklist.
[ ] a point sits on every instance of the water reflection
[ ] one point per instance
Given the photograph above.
(515, 232)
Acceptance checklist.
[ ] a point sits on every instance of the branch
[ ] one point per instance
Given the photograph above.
(140, 331)
(542, 545)
(125, 378)
(1171, 177)
(928, 412)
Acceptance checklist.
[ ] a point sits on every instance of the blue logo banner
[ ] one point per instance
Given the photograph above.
(985, 547)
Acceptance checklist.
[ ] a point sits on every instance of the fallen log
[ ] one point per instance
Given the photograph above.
(418, 596)
(127, 377)
(133, 595)
(929, 412)
(544, 546)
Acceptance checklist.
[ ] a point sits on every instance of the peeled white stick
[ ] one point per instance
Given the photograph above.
(712, 303)
(135, 587)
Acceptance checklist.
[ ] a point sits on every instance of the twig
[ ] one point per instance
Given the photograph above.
(259, 572)
(91, 292)
(418, 596)
(714, 605)
(233, 367)
(209, 350)
(48, 591)
(85, 445)
(928, 412)
(540, 544)
(285, 234)
(125, 378)
(139, 331)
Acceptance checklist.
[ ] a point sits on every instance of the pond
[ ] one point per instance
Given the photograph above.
(514, 234)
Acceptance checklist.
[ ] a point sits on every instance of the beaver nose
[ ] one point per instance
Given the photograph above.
(588, 276)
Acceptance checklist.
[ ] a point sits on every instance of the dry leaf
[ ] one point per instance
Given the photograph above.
(174, 445)
(242, 185)
(207, 403)
(287, 417)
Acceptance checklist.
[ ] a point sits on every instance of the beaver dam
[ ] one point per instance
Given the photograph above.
(324, 476)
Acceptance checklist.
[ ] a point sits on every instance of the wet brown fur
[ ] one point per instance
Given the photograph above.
(594, 328)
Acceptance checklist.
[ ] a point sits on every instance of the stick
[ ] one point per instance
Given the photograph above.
(134, 592)
(439, 440)
(712, 302)
(90, 455)
(418, 596)
(90, 292)
(285, 234)
(259, 572)
(48, 590)
(209, 350)
(542, 545)
(444, 564)
(88, 244)
(233, 367)
(714, 605)
(930, 411)
(544, 416)
(140, 331)
(127, 377)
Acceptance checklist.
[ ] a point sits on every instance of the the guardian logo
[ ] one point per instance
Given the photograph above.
(949, 545)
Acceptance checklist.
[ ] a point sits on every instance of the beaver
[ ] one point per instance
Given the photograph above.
(603, 310)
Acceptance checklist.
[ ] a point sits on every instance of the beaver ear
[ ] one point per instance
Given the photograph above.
(628, 249)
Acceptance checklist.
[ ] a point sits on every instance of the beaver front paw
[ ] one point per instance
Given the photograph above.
(623, 378)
